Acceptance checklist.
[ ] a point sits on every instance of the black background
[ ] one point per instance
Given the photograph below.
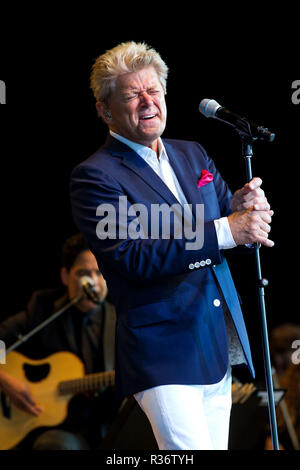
(49, 125)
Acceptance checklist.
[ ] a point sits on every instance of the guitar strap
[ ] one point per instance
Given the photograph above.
(98, 339)
(109, 336)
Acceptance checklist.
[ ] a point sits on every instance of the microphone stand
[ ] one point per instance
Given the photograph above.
(44, 323)
(247, 152)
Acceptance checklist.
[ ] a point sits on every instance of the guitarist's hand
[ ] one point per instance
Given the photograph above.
(19, 394)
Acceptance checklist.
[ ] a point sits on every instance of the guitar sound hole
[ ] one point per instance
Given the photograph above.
(36, 373)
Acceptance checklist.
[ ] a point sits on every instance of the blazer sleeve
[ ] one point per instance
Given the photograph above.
(136, 259)
(15, 326)
(21, 323)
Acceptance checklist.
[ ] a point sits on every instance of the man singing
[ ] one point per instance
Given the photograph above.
(180, 328)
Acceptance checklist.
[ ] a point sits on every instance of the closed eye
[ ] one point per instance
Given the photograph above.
(130, 96)
(134, 95)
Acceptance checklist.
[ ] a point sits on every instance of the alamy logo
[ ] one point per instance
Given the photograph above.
(296, 354)
(296, 93)
(2, 352)
(2, 92)
(135, 221)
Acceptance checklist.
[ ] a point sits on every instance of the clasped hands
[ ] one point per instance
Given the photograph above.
(251, 215)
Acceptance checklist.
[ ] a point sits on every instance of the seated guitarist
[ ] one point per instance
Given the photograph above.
(86, 330)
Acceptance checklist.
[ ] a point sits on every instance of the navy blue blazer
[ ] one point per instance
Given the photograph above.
(169, 300)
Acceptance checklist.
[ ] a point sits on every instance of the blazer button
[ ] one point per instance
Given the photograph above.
(197, 264)
(202, 263)
(217, 303)
(191, 266)
(208, 261)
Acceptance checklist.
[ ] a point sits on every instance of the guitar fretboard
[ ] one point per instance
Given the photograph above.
(88, 383)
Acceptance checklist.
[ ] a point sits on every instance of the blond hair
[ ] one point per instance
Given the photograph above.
(125, 58)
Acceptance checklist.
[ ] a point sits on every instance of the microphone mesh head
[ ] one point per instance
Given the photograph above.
(88, 287)
(209, 107)
(86, 280)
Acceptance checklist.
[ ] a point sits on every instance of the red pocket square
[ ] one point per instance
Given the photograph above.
(205, 178)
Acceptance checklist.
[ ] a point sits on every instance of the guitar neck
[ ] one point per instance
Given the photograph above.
(87, 383)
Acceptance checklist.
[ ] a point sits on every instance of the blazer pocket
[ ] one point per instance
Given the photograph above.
(152, 313)
(208, 188)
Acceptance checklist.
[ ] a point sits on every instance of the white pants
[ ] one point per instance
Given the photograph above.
(194, 417)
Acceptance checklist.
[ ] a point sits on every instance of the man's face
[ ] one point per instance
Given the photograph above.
(137, 107)
(85, 265)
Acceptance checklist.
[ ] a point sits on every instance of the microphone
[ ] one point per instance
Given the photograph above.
(88, 287)
(211, 109)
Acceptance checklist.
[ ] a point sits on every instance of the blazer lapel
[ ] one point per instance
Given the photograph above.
(185, 175)
(67, 323)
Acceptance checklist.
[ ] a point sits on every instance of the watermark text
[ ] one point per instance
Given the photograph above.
(2, 352)
(296, 93)
(296, 354)
(2, 92)
(160, 221)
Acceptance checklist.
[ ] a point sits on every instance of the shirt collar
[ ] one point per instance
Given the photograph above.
(145, 152)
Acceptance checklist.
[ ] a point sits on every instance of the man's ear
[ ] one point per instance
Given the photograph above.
(64, 276)
(103, 112)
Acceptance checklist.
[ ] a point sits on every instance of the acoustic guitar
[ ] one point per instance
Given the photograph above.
(53, 381)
